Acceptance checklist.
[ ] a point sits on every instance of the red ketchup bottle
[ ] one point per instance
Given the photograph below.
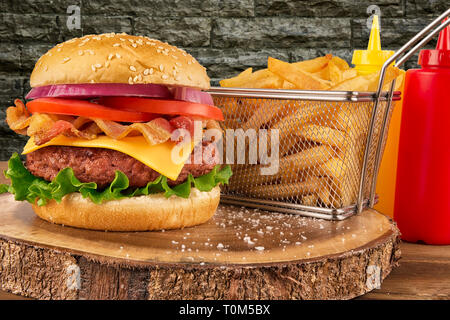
(422, 198)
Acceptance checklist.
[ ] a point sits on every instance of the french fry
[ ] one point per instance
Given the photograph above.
(348, 74)
(235, 81)
(323, 74)
(340, 63)
(367, 82)
(336, 74)
(313, 65)
(322, 134)
(296, 189)
(294, 74)
(292, 122)
(307, 158)
(391, 73)
(265, 113)
(310, 200)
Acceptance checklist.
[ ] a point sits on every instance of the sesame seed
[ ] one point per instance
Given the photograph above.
(59, 49)
(130, 80)
(189, 62)
(107, 64)
(80, 53)
(140, 77)
(148, 42)
(146, 72)
(134, 45)
(135, 78)
(122, 39)
(157, 50)
(81, 44)
(175, 57)
(178, 64)
(161, 67)
(65, 60)
(118, 56)
(98, 65)
(92, 81)
(131, 40)
(110, 56)
(164, 76)
(93, 68)
(132, 68)
(116, 45)
(160, 47)
(45, 68)
(151, 71)
(174, 73)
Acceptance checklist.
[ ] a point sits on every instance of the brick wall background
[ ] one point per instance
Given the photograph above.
(226, 36)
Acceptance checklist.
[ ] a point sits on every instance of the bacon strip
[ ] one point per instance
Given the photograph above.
(45, 127)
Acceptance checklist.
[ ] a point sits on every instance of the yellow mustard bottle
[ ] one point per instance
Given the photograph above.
(370, 61)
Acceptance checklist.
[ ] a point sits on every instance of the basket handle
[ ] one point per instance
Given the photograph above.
(404, 54)
(407, 54)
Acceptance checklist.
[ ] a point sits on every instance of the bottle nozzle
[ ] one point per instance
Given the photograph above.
(444, 38)
(374, 40)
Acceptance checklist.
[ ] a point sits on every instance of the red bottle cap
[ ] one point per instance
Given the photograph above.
(440, 57)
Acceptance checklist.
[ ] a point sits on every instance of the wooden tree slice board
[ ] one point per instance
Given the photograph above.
(239, 254)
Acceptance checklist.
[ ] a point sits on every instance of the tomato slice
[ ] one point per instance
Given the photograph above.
(162, 106)
(86, 109)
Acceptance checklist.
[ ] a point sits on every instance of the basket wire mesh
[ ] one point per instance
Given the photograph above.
(319, 143)
(329, 143)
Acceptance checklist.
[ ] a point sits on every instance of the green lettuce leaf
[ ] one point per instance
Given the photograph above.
(27, 187)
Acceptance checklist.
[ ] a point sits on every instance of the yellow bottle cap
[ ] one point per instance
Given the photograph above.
(372, 59)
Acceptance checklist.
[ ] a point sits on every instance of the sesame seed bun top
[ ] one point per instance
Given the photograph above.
(118, 58)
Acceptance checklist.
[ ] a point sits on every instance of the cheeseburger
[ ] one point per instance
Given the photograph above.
(117, 137)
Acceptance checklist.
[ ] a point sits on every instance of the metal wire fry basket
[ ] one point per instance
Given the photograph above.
(329, 144)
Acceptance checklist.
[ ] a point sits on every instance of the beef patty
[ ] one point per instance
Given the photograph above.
(99, 165)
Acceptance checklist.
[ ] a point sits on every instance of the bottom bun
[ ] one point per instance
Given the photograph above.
(143, 213)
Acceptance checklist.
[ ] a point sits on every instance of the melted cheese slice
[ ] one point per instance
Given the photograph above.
(166, 158)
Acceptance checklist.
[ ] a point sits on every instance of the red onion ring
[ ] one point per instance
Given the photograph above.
(84, 91)
(192, 95)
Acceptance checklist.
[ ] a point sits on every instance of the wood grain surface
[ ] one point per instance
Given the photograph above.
(240, 253)
(423, 273)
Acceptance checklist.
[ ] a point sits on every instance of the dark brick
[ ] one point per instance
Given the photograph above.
(281, 33)
(11, 87)
(28, 27)
(10, 143)
(394, 32)
(229, 62)
(186, 32)
(417, 8)
(30, 53)
(39, 6)
(155, 8)
(95, 25)
(301, 54)
(235, 8)
(320, 8)
(10, 57)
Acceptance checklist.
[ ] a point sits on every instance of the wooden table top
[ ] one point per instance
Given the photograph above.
(424, 273)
